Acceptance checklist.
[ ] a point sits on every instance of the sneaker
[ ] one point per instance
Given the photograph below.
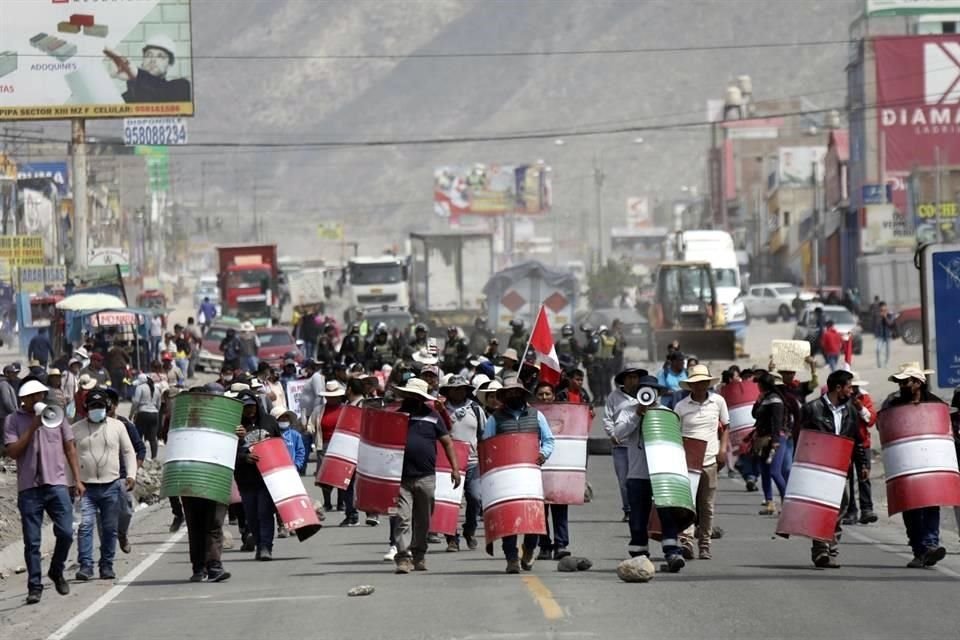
(176, 524)
(868, 517)
(916, 563)
(751, 486)
(198, 576)
(84, 575)
(544, 554)
(933, 555)
(420, 565)
(471, 542)
(513, 566)
(849, 519)
(453, 546)
(218, 575)
(675, 562)
(833, 563)
(821, 560)
(34, 597)
(373, 520)
(403, 566)
(123, 543)
(282, 532)
(527, 559)
(265, 555)
(61, 584)
(434, 538)
(705, 553)
(107, 574)
(560, 553)
(248, 543)
(350, 521)
(390, 554)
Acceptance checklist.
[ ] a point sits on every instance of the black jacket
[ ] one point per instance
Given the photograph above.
(771, 415)
(816, 416)
(246, 473)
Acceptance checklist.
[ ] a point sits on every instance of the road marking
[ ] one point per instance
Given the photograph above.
(273, 599)
(890, 549)
(543, 596)
(168, 599)
(71, 625)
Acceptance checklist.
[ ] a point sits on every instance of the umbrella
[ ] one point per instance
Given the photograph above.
(87, 301)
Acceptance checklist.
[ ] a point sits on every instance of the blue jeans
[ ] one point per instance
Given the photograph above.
(832, 361)
(308, 447)
(510, 550)
(560, 514)
(621, 463)
(101, 501)
(747, 467)
(258, 509)
(54, 500)
(641, 503)
(923, 528)
(883, 352)
(776, 471)
(250, 363)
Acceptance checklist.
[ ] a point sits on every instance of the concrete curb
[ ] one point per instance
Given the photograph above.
(11, 556)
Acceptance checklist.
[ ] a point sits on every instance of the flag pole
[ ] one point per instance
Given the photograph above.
(529, 340)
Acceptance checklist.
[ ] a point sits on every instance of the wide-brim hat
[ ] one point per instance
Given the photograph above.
(911, 370)
(279, 412)
(81, 352)
(247, 327)
(857, 381)
(631, 368)
(87, 382)
(54, 372)
(455, 382)
(511, 354)
(425, 357)
(333, 390)
(511, 383)
(492, 387)
(698, 373)
(415, 387)
(31, 387)
(646, 380)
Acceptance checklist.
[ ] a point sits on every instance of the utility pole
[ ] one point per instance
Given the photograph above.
(598, 179)
(79, 157)
(816, 225)
(939, 198)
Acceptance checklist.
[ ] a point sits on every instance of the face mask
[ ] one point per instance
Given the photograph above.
(284, 425)
(227, 378)
(97, 415)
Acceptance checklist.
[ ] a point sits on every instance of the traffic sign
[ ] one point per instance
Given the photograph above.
(940, 289)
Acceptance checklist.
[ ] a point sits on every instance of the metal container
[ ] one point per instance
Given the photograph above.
(201, 447)
(667, 460)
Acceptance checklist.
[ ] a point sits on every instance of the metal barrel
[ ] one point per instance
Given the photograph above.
(666, 459)
(201, 447)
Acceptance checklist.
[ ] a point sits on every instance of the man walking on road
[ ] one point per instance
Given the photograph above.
(858, 482)
(468, 420)
(418, 481)
(623, 397)
(39, 348)
(704, 416)
(831, 342)
(884, 326)
(42, 455)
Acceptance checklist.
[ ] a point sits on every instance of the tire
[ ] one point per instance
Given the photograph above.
(786, 313)
(911, 332)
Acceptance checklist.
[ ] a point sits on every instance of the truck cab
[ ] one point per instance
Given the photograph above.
(375, 282)
(247, 292)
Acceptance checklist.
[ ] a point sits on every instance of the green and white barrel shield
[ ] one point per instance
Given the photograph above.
(666, 459)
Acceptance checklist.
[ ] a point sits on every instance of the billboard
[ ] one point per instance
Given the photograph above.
(638, 213)
(881, 8)
(121, 58)
(491, 190)
(795, 165)
(884, 228)
(56, 172)
(22, 251)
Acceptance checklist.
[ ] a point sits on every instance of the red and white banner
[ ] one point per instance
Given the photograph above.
(286, 488)
(541, 341)
(740, 397)
(383, 438)
(919, 457)
(446, 507)
(818, 478)
(340, 458)
(511, 487)
(565, 471)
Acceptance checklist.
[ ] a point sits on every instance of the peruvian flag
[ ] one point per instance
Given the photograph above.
(541, 341)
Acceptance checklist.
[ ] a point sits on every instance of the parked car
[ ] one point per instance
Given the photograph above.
(211, 358)
(844, 321)
(910, 325)
(275, 344)
(773, 300)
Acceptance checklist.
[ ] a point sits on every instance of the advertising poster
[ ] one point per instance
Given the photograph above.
(122, 58)
(491, 190)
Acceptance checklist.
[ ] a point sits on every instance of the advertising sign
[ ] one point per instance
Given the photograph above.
(330, 231)
(940, 271)
(154, 131)
(638, 213)
(918, 102)
(795, 165)
(22, 251)
(876, 193)
(58, 172)
(885, 228)
(122, 58)
(881, 8)
(491, 190)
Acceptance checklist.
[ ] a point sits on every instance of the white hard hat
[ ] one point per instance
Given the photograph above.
(163, 42)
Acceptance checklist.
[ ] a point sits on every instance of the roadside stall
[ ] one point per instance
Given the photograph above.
(93, 314)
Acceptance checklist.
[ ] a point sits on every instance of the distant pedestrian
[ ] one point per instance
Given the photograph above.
(831, 343)
(40, 348)
(884, 327)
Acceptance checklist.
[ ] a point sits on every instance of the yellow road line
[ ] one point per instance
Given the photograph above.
(543, 596)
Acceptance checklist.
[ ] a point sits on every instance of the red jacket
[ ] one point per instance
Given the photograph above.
(831, 341)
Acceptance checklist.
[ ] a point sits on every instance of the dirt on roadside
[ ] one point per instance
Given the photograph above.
(10, 530)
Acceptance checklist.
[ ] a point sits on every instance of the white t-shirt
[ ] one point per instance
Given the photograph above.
(702, 421)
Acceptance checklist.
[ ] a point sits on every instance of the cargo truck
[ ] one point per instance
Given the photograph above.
(378, 282)
(447, 274)
(517, 292)
(248, 284)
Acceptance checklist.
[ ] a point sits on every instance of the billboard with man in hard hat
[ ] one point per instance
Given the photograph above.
(117, 59)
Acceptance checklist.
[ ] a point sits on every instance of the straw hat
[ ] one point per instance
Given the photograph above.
(510, 383)
(511, 354)
(492, 387)
(334, 389)
(53, 371)
(911, 370)
(698, 373)
(279, 412)
(247, 327)
(86, 382)
(425, 357)
(453, 382)
(857, 382)
(415, 387)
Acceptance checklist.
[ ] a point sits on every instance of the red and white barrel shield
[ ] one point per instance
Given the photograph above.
(919, 457)
(511, 487)
(340, 458)
(383, 438)
(565, 471)
(446, 505)
(818, 478)
(286, 488)
(695, 450)
(740, 397)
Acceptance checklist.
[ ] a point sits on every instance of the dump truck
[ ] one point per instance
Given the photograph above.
(248, 284)
(686, 310)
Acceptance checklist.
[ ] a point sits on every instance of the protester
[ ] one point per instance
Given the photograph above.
(884, 329)
(39, 349)
(557, 547)
(468, 420)
(769, 440)
(126, 503)
(257, 503)
(623, 397)
(858, 481)
(145, 411)
(831, 343)
(334, 397)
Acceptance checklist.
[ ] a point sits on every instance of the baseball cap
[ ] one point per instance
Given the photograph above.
(97, 397)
